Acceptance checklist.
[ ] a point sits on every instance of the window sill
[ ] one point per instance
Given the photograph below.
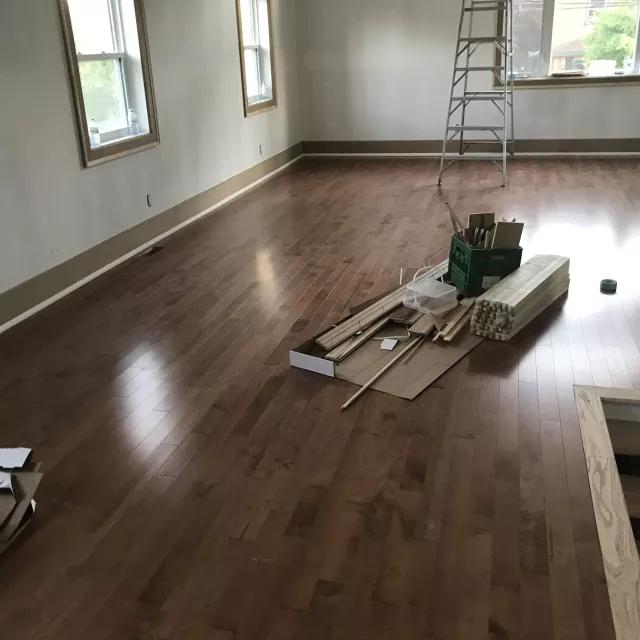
(119, 148)
(254, 108)
(576, 81)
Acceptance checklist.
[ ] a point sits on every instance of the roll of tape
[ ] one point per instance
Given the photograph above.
(608, 286)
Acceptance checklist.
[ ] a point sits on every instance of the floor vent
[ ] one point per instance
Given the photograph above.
(151, 251)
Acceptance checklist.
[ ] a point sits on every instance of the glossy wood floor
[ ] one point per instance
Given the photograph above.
(197, 488)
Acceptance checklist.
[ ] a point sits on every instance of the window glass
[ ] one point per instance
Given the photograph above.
(599, 42)
(103, 92)
(252, 73)
(263, 23)
(581, 37)
(248, 22)
(527, 39)
(92, 26)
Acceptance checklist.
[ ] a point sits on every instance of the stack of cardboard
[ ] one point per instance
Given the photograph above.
(19, 480)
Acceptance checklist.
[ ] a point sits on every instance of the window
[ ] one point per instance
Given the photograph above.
(110, 71)
(256, 55)
(575, 39)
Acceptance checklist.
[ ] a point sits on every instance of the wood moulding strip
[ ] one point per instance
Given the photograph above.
(453, 332)
(350, 345)
(332, 338)
(466, 306)
(617, 544)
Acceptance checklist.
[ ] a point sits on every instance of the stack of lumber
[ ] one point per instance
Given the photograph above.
(514, 302)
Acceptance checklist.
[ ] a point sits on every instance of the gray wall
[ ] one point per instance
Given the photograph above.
(381, 70)
(50, 208)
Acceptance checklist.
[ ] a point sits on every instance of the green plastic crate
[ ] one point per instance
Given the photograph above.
(473, 271)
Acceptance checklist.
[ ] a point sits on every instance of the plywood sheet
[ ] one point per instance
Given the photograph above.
(406, 380)
(617, 544)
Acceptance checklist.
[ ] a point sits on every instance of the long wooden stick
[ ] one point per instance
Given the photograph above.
(412, 352)
(412, 345)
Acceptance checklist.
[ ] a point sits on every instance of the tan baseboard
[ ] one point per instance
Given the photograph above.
(32, 295)
(392, 147)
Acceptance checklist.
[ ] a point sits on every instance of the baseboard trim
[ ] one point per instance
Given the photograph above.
(34, 295)
(436, 156)
(597, 147)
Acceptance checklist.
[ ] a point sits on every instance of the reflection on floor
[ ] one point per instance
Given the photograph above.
(196, 487)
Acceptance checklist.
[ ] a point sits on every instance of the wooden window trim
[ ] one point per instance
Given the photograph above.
(252, 109)
(118, 148)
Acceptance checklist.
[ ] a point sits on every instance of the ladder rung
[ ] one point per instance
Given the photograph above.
(499, 96)
(488, 94)
(484, 39)
(474, 156)
(493, 6)
(479, 69)
(458, 127)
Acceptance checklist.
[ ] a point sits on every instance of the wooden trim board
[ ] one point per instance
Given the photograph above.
(551, 147)
(617, 544)
(349, 346)
(331, 339)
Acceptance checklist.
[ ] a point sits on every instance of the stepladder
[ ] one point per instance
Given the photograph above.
(480, 122)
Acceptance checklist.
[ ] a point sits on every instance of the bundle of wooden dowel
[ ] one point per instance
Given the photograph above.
(509, 306)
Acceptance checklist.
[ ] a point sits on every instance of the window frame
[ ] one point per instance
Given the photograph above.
(555, 82)
(117, 144)
(260, 106)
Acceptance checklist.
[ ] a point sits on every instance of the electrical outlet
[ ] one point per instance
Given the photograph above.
(148, 199)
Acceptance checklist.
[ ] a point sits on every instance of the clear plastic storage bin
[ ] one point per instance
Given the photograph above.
(430, 296)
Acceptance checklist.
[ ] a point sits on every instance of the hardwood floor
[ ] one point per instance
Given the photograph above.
(197, 488)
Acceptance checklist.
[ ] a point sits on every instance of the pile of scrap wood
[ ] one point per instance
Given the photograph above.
(515, 301)
(19, 479)
(380, 310)
(422, 347)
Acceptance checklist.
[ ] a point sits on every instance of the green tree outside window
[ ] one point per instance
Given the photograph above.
(613, 36)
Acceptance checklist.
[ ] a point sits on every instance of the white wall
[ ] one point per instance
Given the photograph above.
(381, 70)
(50, 208)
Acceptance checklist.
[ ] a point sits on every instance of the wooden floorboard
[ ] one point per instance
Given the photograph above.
(197, 488)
